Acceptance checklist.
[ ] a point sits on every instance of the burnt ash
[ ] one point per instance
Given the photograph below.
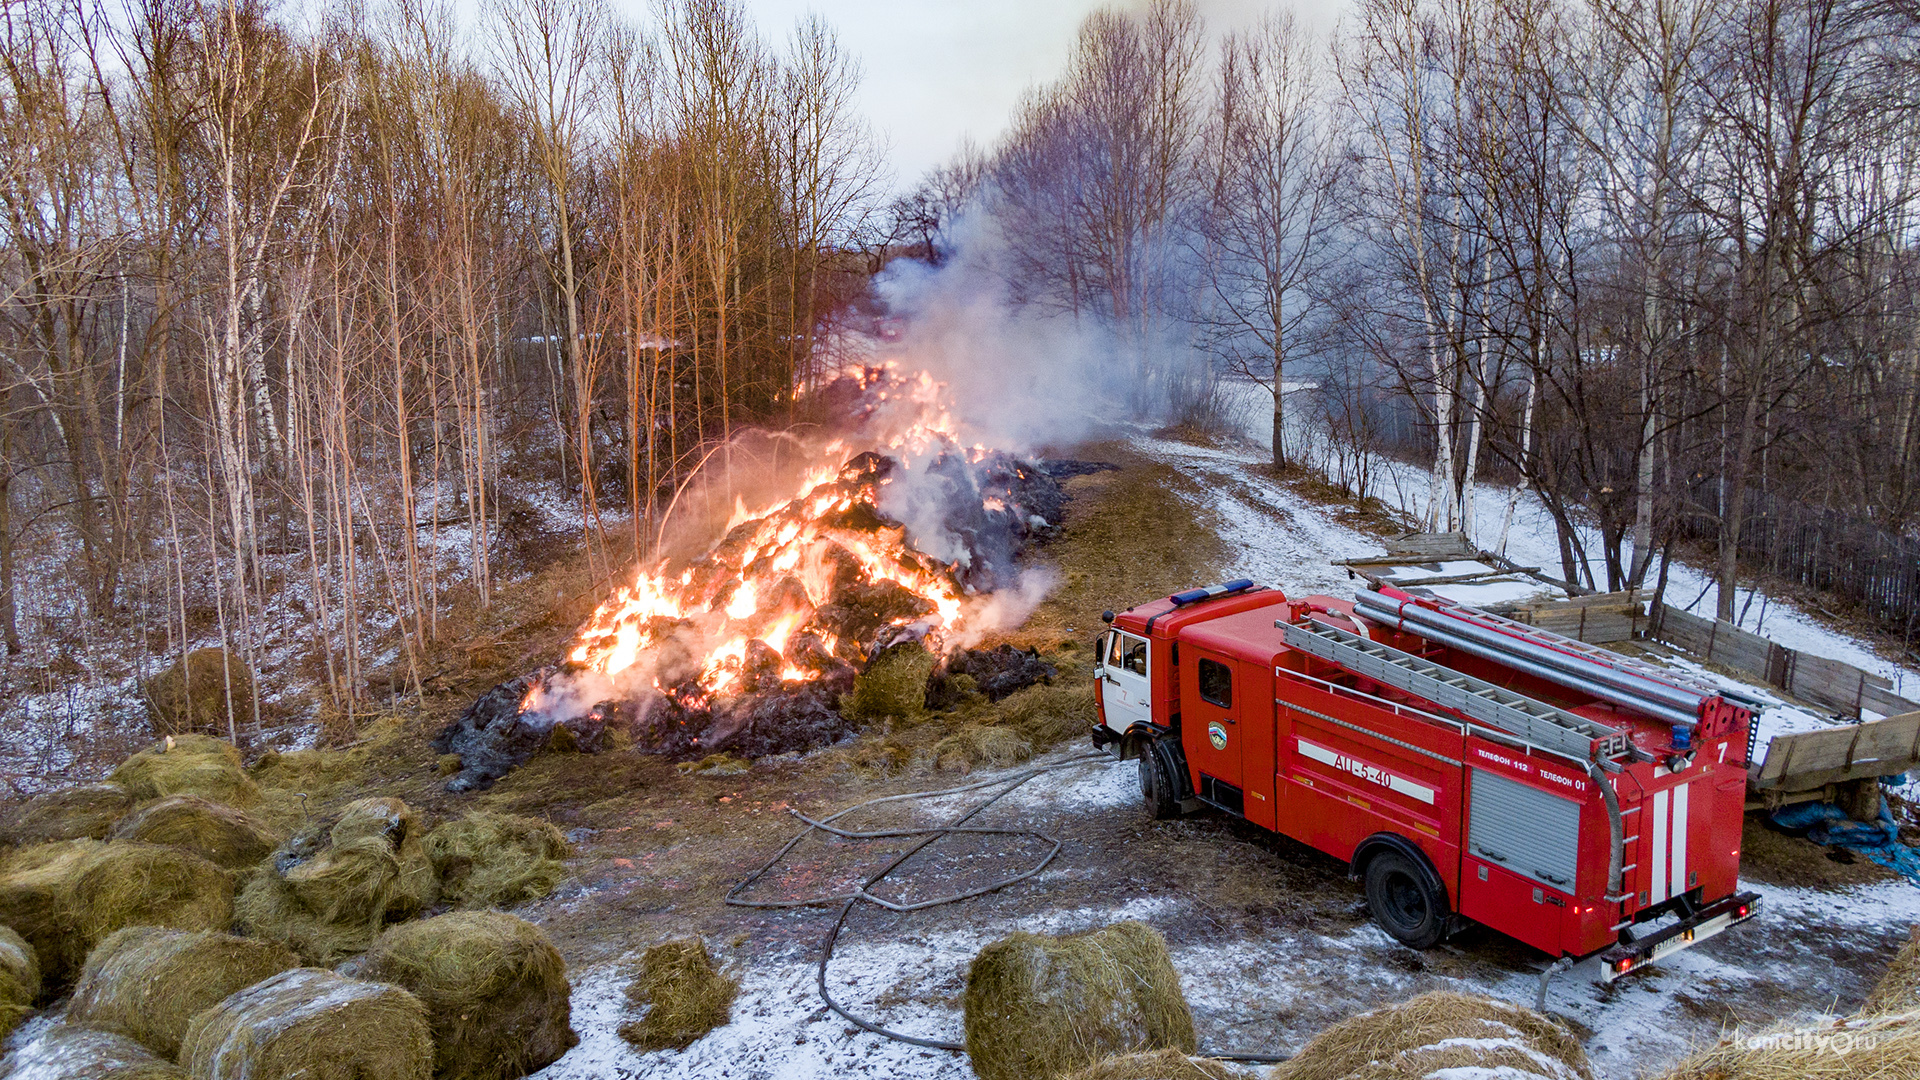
(997, 506)
(996, 673)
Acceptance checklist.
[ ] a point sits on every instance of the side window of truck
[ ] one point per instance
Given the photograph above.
(1136, 655)
(1216, 683)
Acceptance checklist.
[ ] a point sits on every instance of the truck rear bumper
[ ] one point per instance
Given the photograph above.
(1624, 959)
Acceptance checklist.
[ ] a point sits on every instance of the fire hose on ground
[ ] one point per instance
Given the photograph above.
(929, 835)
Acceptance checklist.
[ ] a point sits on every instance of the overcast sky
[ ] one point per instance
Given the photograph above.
(938, 71)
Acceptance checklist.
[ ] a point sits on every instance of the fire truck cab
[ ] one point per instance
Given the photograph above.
(1466, 767)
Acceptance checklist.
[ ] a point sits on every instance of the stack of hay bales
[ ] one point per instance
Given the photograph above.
(1160, 1065)
(492, 860)
(1040, 1007)
(327, 892)
(148, 983)
(684, 995)
(66, 898)
(66, 1052)
(19, 979)
(219, 834)
(87, 812)
(312, 1024)
(1436, 1032)
(188, 765)
(495, 990)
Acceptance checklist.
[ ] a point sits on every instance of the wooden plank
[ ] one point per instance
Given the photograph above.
(1814, 759)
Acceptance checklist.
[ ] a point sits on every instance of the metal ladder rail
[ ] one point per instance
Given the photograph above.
(1593, 653)
(1536, 722)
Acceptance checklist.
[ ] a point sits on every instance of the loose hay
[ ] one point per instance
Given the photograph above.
(65, 898)
(76, 813)
(327, 892)
(1438, 1031)
(494, 987)
(979, 744)
(314, 1025)
(1858, 1048)
(19, 979)
(148, 983)
(199, 693)
(65, 1052)
(219, 834)
(894, 684)
(684, 994)
(188, 765)
(1160, 1065)
(1040, 1007)
(1899, 989)
(496, 860)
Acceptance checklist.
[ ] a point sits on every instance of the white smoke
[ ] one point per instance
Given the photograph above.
(1006, 609)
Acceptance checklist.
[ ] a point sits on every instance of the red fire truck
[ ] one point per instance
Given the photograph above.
(1466, 766)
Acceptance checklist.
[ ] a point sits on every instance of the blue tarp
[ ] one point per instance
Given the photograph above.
(1879, 840)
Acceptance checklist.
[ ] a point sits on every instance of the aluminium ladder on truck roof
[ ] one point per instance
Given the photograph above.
(1517, 715)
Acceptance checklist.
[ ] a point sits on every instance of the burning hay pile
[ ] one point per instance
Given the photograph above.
(752, 648)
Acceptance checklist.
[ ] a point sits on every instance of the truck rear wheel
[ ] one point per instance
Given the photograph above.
(1156, 784)
(1403, 901)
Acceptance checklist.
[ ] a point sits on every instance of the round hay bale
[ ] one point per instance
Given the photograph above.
(1160, 1065)
(193, 695)
(1898, 990)
(494, 987)
(684, 994)
(1438, 1031)
(314, 1025)
(188, 765)
(1858, 1048)
(219, 834)
(19, 979)
(1044, 1006)
(496, 860)
(147, 983)
(324, 901)
(396, 823)
(66, 1052)
(86, 812)
(127, 884)
(36, 900)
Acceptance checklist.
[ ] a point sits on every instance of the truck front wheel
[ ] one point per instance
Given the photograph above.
(1156, 784)
(1403, 901)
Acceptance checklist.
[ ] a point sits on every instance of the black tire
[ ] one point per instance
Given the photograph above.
(1156, 784)
(1405, 902)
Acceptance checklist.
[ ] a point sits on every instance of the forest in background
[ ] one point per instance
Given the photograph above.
(298, 315)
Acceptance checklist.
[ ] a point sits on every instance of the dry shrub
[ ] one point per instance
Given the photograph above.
(980, 744)
(219, 834)
(192, 695)
(1899, 989)
(491, 860)
(147, 983)
(1419, 1037)
(494, 987)
(1039, 1007)
(66, 1052)
(684, 994)
(66, 898)
(76, 813)
(314, 1025)
(327, 892)
(1858, 1048)
(19, 979)
(1160, 1065)
(188, 765)
(893, 685)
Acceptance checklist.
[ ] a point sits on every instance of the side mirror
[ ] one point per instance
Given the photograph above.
(1107, 617)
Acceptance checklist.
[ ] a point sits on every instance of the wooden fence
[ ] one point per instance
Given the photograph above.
(1831, 683)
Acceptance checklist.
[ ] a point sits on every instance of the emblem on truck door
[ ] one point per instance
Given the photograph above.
(1217, 735)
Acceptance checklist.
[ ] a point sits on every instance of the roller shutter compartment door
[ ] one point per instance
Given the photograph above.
(1533, 833)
